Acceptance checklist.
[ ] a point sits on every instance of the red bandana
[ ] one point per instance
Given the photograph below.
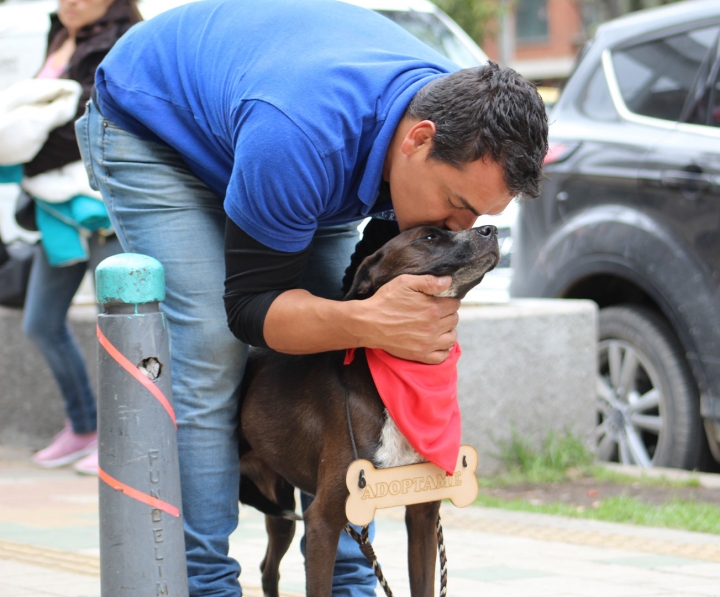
(422, 400)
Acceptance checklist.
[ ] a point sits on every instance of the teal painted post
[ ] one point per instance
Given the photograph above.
(142, 546)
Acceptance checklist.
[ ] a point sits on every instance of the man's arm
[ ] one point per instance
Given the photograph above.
(265, 308)
(401, 318)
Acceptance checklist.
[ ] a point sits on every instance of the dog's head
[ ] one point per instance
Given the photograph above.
(466, 256)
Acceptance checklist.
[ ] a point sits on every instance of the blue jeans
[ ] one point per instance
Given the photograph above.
(160, 208)
(49, 294)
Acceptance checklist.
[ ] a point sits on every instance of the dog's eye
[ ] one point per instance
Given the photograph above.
(429, 237)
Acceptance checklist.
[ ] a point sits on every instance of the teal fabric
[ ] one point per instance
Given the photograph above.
(11, 174)
(89, 213)
(65, 227)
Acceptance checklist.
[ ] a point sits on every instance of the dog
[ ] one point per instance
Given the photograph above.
(294, 425)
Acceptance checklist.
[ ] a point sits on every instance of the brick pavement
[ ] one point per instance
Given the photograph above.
(49, 547)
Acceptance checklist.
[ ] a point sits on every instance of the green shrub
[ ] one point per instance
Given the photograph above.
(559, 453)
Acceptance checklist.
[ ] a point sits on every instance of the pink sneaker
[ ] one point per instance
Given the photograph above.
(88, 465)
(66, 447)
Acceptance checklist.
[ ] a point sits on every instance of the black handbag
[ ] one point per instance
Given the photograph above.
(15, 273)
(25, 212)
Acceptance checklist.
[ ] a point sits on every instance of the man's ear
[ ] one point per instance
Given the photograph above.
(419, 137)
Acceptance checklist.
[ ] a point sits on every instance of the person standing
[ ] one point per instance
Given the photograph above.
(81, 34)
(238, 143)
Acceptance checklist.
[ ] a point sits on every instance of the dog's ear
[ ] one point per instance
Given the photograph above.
(367, 278)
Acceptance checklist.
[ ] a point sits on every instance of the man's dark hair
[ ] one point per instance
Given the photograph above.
(487, 112)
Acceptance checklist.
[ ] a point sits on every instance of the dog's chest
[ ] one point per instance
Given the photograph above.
(394, 449)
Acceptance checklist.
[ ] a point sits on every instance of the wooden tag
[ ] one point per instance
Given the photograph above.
(411, 484)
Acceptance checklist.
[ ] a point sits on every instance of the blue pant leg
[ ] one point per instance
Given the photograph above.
(49, 294)
(159, 208)
(332, 247)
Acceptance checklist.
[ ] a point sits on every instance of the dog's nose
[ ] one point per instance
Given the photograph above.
(487, 231)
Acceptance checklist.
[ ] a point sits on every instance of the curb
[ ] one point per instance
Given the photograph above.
(706, 480)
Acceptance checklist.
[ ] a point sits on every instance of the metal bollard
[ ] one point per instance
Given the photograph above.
(142, 546)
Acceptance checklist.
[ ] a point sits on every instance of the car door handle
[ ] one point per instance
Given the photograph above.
(682, 179)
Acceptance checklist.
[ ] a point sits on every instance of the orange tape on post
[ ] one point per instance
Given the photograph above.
(138, 495)
(132, 370)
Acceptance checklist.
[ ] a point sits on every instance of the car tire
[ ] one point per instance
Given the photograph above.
(648, 405)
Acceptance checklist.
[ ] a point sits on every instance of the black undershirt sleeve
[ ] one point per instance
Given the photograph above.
(255, 275)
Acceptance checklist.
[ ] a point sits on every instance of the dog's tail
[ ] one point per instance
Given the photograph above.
(250, 495)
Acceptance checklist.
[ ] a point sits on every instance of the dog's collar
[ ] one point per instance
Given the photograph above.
(422, 400)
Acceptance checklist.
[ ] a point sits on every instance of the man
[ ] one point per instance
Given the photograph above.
(237, 142)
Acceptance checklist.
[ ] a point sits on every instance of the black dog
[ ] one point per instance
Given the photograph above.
(294, 426)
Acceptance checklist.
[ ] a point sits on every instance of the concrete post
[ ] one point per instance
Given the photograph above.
(142, 546)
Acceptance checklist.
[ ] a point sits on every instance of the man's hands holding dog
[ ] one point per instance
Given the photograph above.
(408, 321)
(402, 317)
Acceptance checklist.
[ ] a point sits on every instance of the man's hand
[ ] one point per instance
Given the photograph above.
(405, 319)
(402, 317)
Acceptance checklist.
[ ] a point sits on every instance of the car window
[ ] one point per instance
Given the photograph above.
(714, 101)
(429, 28)
(706, 110)
(595, 101)
(656, 77)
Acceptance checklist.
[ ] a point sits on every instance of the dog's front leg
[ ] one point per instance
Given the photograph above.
(324, 521)
(421, 521)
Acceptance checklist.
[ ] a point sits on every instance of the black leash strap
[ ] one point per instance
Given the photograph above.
(443, 559)
(368, 551)
(362, 538)
(349, 421)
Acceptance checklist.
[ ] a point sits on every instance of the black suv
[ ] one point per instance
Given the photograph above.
(630, 217)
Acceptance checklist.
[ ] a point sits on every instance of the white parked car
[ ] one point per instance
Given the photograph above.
(430, 24)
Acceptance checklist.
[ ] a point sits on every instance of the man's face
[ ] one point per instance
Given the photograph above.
(428, 191)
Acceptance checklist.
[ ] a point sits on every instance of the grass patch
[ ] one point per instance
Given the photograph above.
(564, 458)
(560, 456)
(676, 514)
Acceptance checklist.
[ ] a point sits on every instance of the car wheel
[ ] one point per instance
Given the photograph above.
(648, 407)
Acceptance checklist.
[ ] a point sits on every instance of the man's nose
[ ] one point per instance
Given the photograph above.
(458, 222)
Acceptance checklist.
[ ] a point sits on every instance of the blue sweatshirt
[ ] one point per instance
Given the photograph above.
(284, 108)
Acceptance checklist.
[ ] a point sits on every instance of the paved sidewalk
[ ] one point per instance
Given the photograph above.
(49, 547)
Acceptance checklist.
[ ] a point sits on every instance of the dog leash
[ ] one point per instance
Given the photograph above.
(366, 548)
(443, 559)
(363, 539)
